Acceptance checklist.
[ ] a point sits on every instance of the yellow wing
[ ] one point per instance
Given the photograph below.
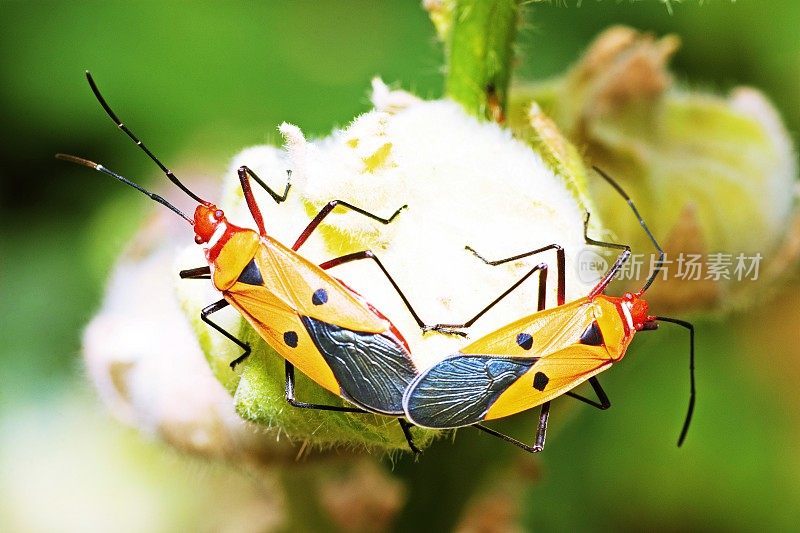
(281, 327)
(550, 377)
(310, 291)
(539, 334)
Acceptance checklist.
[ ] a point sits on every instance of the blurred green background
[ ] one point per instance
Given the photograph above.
(200, 81)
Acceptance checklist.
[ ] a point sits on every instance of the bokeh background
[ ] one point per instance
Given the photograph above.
(200, 81)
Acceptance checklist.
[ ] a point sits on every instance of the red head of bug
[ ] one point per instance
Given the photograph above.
(207, 219)
(639, 311)
(213, 230)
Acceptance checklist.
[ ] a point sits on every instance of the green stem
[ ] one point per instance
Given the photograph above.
(478, 49)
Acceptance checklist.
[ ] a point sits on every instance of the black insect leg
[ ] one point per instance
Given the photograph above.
(368, 254)
(541, 268)
(608, 277)
(544, 414)
(213, 308)
(205, 273)
(196, 273)
(275, 196)
(541, 432)
(329, 207)
(406, 427)
(560, 265)
(604, 402)
(290, 397)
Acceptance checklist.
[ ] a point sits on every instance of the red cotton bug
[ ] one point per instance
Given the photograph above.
(537, 358)
(312, 320)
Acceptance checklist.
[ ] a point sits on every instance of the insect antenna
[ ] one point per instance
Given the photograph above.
(689, 413)
(660, 263)
(123, 179)
(656, 270)
(174, 179)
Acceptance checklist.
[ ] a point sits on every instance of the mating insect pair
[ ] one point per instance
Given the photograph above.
(340, 341)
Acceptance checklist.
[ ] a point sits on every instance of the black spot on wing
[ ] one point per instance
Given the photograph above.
(373, 370)
(251, 275)
(319, 297)
(592, 336)
(459, 390)
(525, 341)
(540, 381)
(290, 338)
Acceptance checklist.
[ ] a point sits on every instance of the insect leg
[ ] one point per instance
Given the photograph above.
(247, 191)
(541, 432)
(541, 268)
(290, 397)
(329, 207)
(604, 402)
(369, 254)
(409, 437)
(213, 308)
(196, 273)
(560, 265)
(245, 171)
(544, 414)
(608, 277)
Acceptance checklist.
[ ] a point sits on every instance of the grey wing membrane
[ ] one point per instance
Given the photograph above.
(370, 364)
(459, 390)
(372, 369)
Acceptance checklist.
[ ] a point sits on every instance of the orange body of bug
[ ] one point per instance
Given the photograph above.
(280, 293)
(535, 359)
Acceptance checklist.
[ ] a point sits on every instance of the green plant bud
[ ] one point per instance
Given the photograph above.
(714, 176)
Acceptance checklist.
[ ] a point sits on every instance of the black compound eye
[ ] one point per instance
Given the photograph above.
(251, 275)
(592, 336)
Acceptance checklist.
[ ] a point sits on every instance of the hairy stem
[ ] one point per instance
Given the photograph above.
(479, 37)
